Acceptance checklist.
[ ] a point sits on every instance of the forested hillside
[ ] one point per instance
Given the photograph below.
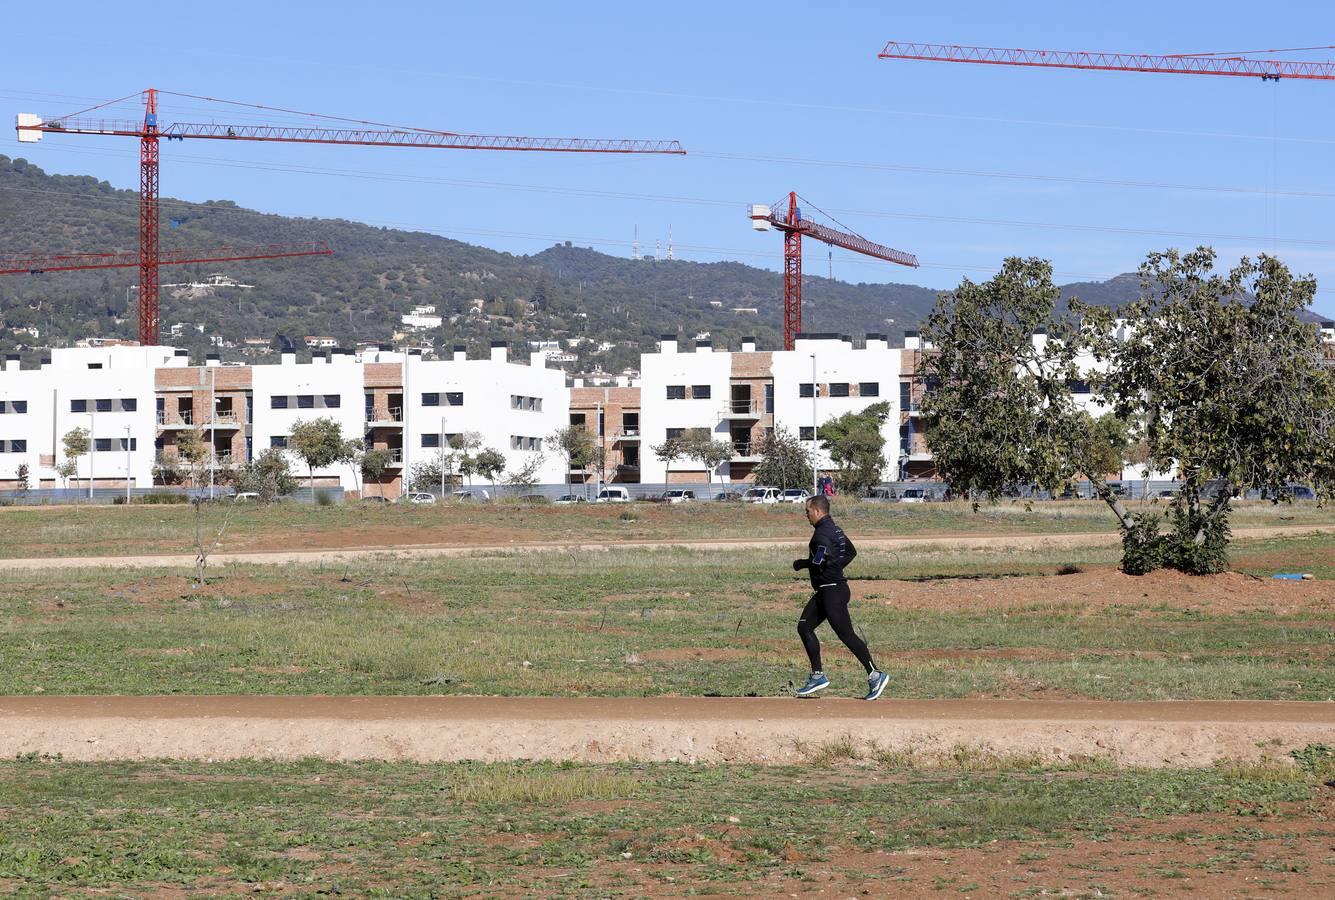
(377, 274)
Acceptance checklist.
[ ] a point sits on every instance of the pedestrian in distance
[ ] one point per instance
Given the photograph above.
(828, 552)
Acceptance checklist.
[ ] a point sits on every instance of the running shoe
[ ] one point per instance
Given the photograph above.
(817, 682)
(876, 683)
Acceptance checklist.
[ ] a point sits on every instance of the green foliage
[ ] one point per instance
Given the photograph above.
(526, 476)
(429, 474)
(1143, 550)
(574, 444)
(374, 462)
(1230, 383)
(856, 446)
(76, 443)
(1315, 759)
(21, 476)
(709, 453)
(490, 464)
(785, 461)
(668, 452)
(999, 413)
(319, 443)
(267, 475)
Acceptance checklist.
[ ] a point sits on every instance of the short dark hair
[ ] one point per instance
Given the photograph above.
(821, 502)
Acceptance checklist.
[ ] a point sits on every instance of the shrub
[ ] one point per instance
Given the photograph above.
(324, 498)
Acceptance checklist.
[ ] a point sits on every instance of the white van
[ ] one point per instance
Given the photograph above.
(613, 495)
(761, 495)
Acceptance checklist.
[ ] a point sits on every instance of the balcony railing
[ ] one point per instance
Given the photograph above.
(182, 417)
(743, 448)
(395, 456)
(743, 409)
(393, 414)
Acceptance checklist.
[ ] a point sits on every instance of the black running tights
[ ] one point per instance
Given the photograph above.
(830, 604)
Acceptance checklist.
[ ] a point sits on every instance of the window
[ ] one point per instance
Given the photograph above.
(838, 388)
(676, 433)
(769, 398)
(78, 406)
(870, 389)
(14, 406)
(454, 398)
(277, 403)
(15, 446)
(333, 401)
(676, 392)
(534, 443)
(578, 419)
(305, 401)
(700, 391)
(102, 445)
(516, 442)
(94, 365)
(805, 433)
(905, 395)
(1078, 387)
(431, 399)
(278, 441)
(519, 442)
(129, 404)
(528, 403)
(806, 390)
(120, 444)
(431, 441)
(104, 404)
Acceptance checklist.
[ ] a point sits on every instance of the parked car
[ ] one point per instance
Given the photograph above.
(677, 495)
(420, 497)
(880, 494)
(913, 495)
(795, 495)
(762, 495)
(728, 497)
(565, 499)
(473, 494)
(247, 497)
(613, 495)
(375, 498)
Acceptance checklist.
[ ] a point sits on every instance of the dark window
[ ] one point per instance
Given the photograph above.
(134, 444)
(305, 401)
(805, 390)
(769, 398)
(905, 393)
(279, 441)
(676, 392)
(431, 441)
(332, 401)
(104, 405)
(78, 406)
(631, 456)
(102, 445)
(700, 391)
(676, 433)
(870, 389)
(129, 404)
(278, 403)
(838, 388)
(454, 398)
(1078, 387)
(431, 399)
(20, 446)
(94, 365)
(904, 438)
(804, 433)
(577, 419)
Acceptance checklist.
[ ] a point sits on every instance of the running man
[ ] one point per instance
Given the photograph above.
(829, 551)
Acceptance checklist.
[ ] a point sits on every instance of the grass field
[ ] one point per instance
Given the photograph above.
(942, 622)
(974, 825)
(109, 531)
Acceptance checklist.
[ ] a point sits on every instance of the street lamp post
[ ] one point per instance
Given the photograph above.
(92, 448)
(127, 464)
(442, 457)
(815, 468)
(213, 426)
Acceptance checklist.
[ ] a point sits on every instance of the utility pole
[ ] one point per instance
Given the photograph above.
(442, 457)
(128, 439)
(92, 447)
(815, 468)
(213, 425)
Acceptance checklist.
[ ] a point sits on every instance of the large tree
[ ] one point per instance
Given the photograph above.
(856, 445)
(709, 453)
(319, 443)
(1230, 383)
(999, 411)
(574, 444)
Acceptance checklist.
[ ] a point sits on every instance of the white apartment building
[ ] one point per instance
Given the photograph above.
(327, 387)
(109, 391)
(739, 396)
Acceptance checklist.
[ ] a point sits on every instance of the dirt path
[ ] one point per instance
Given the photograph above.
(427, 551)
(753, 730)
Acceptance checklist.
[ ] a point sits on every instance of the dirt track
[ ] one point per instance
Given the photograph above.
(426, 551)
(711, 730)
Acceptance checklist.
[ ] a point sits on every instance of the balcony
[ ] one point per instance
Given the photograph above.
(395, 456)
(630, 434)
(745, 451)
(742, 409)
(390, 417)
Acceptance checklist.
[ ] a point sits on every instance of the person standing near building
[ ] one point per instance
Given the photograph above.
(829, 551)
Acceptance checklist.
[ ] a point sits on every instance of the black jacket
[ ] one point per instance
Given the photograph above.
(828, 552)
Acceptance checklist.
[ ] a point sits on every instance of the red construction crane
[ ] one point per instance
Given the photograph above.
(30, 128)
(793, 226)
(1237, 63)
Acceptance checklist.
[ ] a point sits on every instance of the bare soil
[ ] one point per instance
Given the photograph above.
(695, 729)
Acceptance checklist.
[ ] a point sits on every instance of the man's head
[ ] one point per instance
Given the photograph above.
(818, 507)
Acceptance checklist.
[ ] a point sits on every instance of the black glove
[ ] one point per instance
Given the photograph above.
(800, 564)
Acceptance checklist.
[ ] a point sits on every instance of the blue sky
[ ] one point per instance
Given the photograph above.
(961, 165)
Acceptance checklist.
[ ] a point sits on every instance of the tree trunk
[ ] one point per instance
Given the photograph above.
(1114, 502)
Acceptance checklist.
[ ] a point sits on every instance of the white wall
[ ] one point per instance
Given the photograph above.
(658, 414)
(341, 377)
